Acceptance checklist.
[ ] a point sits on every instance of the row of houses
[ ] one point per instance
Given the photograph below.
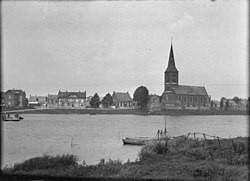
(17, 98)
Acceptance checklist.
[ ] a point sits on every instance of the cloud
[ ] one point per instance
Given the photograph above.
(185, 21)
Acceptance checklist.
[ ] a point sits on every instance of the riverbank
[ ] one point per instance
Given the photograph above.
(129, 111)
(181, 158)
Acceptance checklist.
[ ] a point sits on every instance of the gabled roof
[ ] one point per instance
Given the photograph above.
(190, 90)
(122, 97)
(171, 62)
(14, 91)
(72, 94)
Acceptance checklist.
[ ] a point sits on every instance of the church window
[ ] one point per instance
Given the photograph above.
(190, 99)
(184, 98)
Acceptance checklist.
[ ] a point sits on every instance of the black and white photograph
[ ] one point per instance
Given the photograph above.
(141, 90)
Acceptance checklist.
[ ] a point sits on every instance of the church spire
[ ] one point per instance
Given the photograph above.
(171, 62)
(171, 73)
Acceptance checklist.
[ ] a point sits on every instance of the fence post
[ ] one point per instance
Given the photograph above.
(194, 135)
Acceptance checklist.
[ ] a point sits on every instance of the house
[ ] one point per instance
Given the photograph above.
(154, 102)
(122, 100)
(52, 101)
(232, 105)
(88, 101)
(15, 98)
(243, 104)
(2, 98)
(41, 100)
(72, 99)
(216, 105)
(177, 96)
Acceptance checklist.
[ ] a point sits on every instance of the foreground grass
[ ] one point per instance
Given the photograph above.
(179, 158)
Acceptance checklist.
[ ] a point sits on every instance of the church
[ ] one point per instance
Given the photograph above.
(177, 96)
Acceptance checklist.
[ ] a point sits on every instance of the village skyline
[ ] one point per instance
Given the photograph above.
(101, 47)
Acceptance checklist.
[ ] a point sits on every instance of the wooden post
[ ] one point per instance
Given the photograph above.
(194, 135)
(158, 134)
(234, 146)
(218, 140)
(188, 134)
(204, 136)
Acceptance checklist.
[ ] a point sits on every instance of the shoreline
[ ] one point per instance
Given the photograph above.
(180, 159)
(125, 111)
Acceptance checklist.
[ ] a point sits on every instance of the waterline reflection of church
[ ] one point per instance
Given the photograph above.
(181, 96)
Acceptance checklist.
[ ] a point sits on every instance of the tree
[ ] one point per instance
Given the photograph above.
(25, 102)
(141, 96)
(16, 101)
(236, 100)
(107, 101)
(222, 102)
(227, 105)
(95, 101)
(212, 103)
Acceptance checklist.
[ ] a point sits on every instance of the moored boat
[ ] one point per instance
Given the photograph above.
(136, 140)
(8, 117)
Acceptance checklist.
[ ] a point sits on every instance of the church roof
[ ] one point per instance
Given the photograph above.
(171, 62)
(122, 97)
(190, 90)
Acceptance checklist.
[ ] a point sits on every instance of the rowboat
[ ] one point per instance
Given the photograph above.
(161, 135)
(10, 118)
(136, 140)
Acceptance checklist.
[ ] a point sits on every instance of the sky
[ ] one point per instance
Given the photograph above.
(105, 46)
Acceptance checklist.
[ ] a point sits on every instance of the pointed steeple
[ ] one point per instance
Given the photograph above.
(171, 73)
(171, 62)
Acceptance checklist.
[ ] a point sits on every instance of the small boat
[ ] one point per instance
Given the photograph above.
(136, 141)
(9, 118)
(161, 135)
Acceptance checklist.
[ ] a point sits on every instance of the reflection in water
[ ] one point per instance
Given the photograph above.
(99, 136)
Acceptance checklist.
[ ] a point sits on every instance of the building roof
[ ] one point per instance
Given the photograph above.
(171, 62)
(15, 91)
(72, 94)
(190, 90)
(50, 96)
(122, 97)
(231, 102)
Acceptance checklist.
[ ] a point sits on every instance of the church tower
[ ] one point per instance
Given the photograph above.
(171, 73)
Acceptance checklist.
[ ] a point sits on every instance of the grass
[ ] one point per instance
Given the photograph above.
(179, 158)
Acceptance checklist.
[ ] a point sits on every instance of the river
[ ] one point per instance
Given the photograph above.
(92, 137)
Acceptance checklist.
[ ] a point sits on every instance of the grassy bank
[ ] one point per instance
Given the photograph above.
(181, 158)
(135, 112)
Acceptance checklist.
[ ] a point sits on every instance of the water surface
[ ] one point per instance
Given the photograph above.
(99, 136)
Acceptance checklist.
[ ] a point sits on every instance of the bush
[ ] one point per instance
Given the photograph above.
(46, 162)
(152, 149)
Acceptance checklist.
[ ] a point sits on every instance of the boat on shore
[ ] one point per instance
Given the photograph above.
(136, 141)
(161, 135)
